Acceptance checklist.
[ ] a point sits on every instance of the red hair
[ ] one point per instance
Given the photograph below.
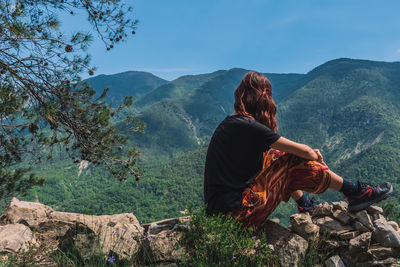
(253, 99)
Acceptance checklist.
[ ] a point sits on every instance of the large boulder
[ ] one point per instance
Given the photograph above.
(15, 238)
(119, 233)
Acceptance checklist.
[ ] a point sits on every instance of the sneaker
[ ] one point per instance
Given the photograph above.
(310, 209)
(368, 195)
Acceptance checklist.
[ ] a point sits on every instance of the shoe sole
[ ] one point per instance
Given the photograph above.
(364, 205)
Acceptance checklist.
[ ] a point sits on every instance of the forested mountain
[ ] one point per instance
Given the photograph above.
(175, 88)
(130, 83)
(350, 109)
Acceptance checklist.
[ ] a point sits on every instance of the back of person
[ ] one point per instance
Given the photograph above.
(234, 158)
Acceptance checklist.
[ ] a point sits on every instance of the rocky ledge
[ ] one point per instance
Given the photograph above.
(350, 239)
(347, 239)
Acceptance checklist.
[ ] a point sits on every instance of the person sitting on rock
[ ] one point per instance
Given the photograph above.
(250, 169)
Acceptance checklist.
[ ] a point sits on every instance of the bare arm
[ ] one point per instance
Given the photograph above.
(301, 150)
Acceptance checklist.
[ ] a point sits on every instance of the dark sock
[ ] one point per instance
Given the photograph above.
(304, 201)
(349, 188)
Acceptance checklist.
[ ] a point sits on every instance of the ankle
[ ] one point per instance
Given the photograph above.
(304, 201)
(350, 188)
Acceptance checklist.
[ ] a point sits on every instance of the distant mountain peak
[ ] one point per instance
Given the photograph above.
(128, 83)
(344, 64)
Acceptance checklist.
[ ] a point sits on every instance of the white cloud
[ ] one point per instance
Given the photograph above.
(398, 51)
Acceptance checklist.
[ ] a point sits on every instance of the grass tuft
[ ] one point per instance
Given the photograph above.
(221, 241)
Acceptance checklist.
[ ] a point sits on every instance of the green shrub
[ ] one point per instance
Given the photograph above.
(221, 241)
(391, 209)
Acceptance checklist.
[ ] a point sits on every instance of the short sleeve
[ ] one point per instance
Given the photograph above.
(263, 136)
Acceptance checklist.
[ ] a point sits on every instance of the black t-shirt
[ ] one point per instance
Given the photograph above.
(234, 158)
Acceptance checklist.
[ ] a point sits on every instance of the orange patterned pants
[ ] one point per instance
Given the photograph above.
(282, 174)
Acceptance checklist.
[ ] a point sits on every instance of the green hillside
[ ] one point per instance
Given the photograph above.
(163, 192)
(349, 109)
(175, 88)
(130, 83)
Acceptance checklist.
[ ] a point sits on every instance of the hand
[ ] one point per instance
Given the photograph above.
(320, 157)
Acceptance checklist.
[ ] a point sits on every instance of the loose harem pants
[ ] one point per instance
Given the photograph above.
(281, 175)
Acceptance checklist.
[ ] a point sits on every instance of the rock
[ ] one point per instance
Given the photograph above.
(15, 237)
(119, 233)
(334, 261)
(182, 226)
(365, 219)
(162, 247)
(341, 205)
(374, 210)
(357, 258)
(342, 216)
(349, 235)
(323, 209)
(394, 225)
(163, 264)
(167, 224)
(380, 253)
(389, 262)
(396, 252)
(275, 220)
(156, 227)
(385, 235)
(303, 226)
(332, 245)
(361, 227)
(97, 221)
(28, 213)
(332, 226)
(378, 217)
(360, 243)
(290, 247)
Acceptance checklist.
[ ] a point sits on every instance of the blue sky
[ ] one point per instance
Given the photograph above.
(179, 37)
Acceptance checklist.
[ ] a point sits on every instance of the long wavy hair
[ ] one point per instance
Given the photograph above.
(253, 99)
